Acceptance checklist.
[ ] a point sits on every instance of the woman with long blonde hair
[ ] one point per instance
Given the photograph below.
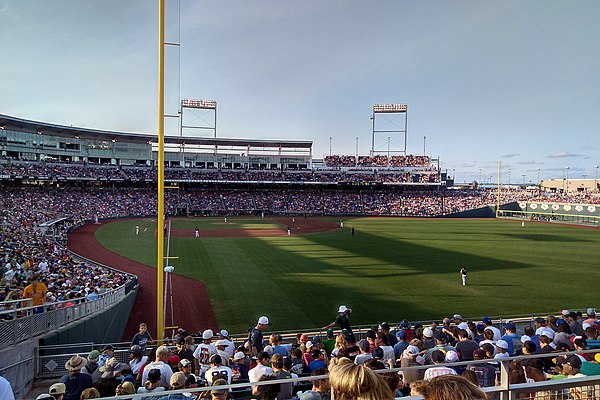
(355, 382)
(451, 387)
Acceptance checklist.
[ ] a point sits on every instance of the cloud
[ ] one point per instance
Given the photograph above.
(510, 155)
(565, 154)
(532, 162)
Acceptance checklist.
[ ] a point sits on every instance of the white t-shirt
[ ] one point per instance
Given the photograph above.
(208, 375)
(257, 372)
(203, 353)
(362, 358)
(165, 372)
(137, 365)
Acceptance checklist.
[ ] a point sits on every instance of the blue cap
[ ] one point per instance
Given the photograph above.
(487, 320)
(560, 321)
(401, 334)
(510, 325)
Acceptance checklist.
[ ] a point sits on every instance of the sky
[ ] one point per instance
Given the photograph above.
(516, 82)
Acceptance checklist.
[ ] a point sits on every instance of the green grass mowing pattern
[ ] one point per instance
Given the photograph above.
(219, 223)
(391, 269)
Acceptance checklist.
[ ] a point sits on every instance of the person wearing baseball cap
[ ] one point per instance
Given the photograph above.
(203, 351)
(230, 346)
(239, 369)
(342, 320)
(256, 336)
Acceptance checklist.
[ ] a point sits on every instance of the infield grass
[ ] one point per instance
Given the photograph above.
(393, 268)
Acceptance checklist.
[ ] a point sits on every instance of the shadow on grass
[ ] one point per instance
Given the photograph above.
(416, 257)
(543, 237)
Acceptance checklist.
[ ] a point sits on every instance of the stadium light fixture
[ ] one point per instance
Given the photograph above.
(203, 104)
(390, 108)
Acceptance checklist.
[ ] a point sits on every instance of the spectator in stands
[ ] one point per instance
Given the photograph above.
(438, 358)
(490, 325)
(485, 372)
(152, 384)
(239, 370)
(138, 359)
(125, 388)
(451, 387)
(203, 352)
(285, 389)
(217, 370)
(176, 382)
(162, 356)
(465, 346)
(92, 367)
(511, 338)
(256, 336)
(342, 320)
(75, 382)
(219, 394)
(92, 393)
(262, 368)
(6, 392)
(350, 381)
(36, 291)
(143, 337)
(108, 382)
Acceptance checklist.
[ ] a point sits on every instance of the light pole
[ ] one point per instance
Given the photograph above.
(539, 181)
(479, 174)
(596, 179)
(567, 168)
(523, 175)
(509, 177)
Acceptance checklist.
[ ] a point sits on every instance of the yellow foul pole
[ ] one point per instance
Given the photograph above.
(498, 195)
(160, 326)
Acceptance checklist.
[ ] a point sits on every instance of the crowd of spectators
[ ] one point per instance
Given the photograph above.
(383, 362)
(36, 269)
(142, 173)
(380, 161)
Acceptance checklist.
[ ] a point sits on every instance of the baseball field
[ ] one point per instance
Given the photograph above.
(390, 269)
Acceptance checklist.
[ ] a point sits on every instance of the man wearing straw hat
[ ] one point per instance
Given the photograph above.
(75, 382)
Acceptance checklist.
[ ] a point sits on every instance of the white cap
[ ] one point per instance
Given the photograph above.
(207, 334)
(263, 320)
(239, 355)
(549, 333)
(457, 316)
(428, 332)
(309, 344)
(224, 333)
(525, 338)
(591, 311)
(269, 349)
(565, 312)
(342, 309)
(451, 356)
(412, 350)
(221, 343)
(503, 344)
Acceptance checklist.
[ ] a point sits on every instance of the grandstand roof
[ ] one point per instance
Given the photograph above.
(8, 122)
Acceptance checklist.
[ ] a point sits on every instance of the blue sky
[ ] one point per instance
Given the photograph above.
(484, 81)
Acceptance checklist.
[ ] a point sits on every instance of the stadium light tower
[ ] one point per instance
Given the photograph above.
(596, 179)
(509, 177)
(539, 181)
(523, 175)
(567, 169)
(387, 119)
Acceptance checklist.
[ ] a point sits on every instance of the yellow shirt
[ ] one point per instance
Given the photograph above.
(37, 292)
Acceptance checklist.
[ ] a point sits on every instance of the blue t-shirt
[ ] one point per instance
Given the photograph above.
(316, 364)
(509, 339)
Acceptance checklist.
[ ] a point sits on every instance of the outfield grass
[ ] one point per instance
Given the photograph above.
(391, 269)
